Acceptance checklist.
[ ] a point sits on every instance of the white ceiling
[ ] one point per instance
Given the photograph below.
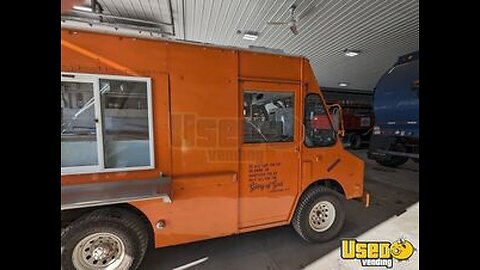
(381, 29)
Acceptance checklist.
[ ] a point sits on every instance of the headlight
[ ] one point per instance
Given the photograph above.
(376, 130)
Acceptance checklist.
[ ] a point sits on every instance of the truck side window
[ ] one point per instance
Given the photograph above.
(318, 128)
(79, 135)
(105, 123)
(125, 123)
(268, 117)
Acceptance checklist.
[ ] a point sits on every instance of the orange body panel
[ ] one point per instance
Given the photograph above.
(267, 66)
(198, 138)
(203, 207)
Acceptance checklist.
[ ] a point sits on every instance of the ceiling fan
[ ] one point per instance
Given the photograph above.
(293, 20)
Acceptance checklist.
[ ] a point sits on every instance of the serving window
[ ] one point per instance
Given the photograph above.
(106, 123)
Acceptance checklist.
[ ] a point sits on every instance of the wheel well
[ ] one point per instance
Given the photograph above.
(69, 216)
(328, 183)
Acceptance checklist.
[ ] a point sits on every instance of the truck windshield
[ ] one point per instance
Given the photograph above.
(318, 128)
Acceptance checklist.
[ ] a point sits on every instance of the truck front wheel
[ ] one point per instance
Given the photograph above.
(320, 215)
(110, 238)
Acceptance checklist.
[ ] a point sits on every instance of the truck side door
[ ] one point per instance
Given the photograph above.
(269, 151)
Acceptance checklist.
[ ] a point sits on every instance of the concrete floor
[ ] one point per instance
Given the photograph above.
(392, 192)
(403, 226)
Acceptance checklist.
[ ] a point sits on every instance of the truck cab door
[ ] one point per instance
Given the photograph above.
(320, 147)
(269, 151)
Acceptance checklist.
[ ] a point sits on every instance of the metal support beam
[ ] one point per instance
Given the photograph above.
(116, 26)
(122, 18)
(97, 17)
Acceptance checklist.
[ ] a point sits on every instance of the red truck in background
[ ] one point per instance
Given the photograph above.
(358, 120)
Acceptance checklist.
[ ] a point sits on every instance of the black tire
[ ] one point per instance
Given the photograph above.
(123, 224)
(309, 199)
(355, 141)
(392, 161)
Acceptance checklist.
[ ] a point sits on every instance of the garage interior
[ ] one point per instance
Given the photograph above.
(350, 45)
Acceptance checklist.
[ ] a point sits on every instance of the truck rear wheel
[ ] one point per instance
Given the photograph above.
(392, 161)
(355, 141)
(110, 238)
(320, 215)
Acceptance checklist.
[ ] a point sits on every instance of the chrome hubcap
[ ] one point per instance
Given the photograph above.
(321, 216)
(98, 251)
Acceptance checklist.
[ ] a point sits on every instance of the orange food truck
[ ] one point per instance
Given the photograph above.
(166, 142)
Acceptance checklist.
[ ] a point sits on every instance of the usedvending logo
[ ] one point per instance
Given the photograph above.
(376, 253)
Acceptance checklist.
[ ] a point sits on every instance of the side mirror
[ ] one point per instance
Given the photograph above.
(336, 113)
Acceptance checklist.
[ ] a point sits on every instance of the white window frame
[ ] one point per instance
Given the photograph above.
(95, 79)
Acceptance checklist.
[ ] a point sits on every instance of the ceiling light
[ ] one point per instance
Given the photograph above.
(250, 35)
(351, 53)
(343, 84)
(83, 8)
